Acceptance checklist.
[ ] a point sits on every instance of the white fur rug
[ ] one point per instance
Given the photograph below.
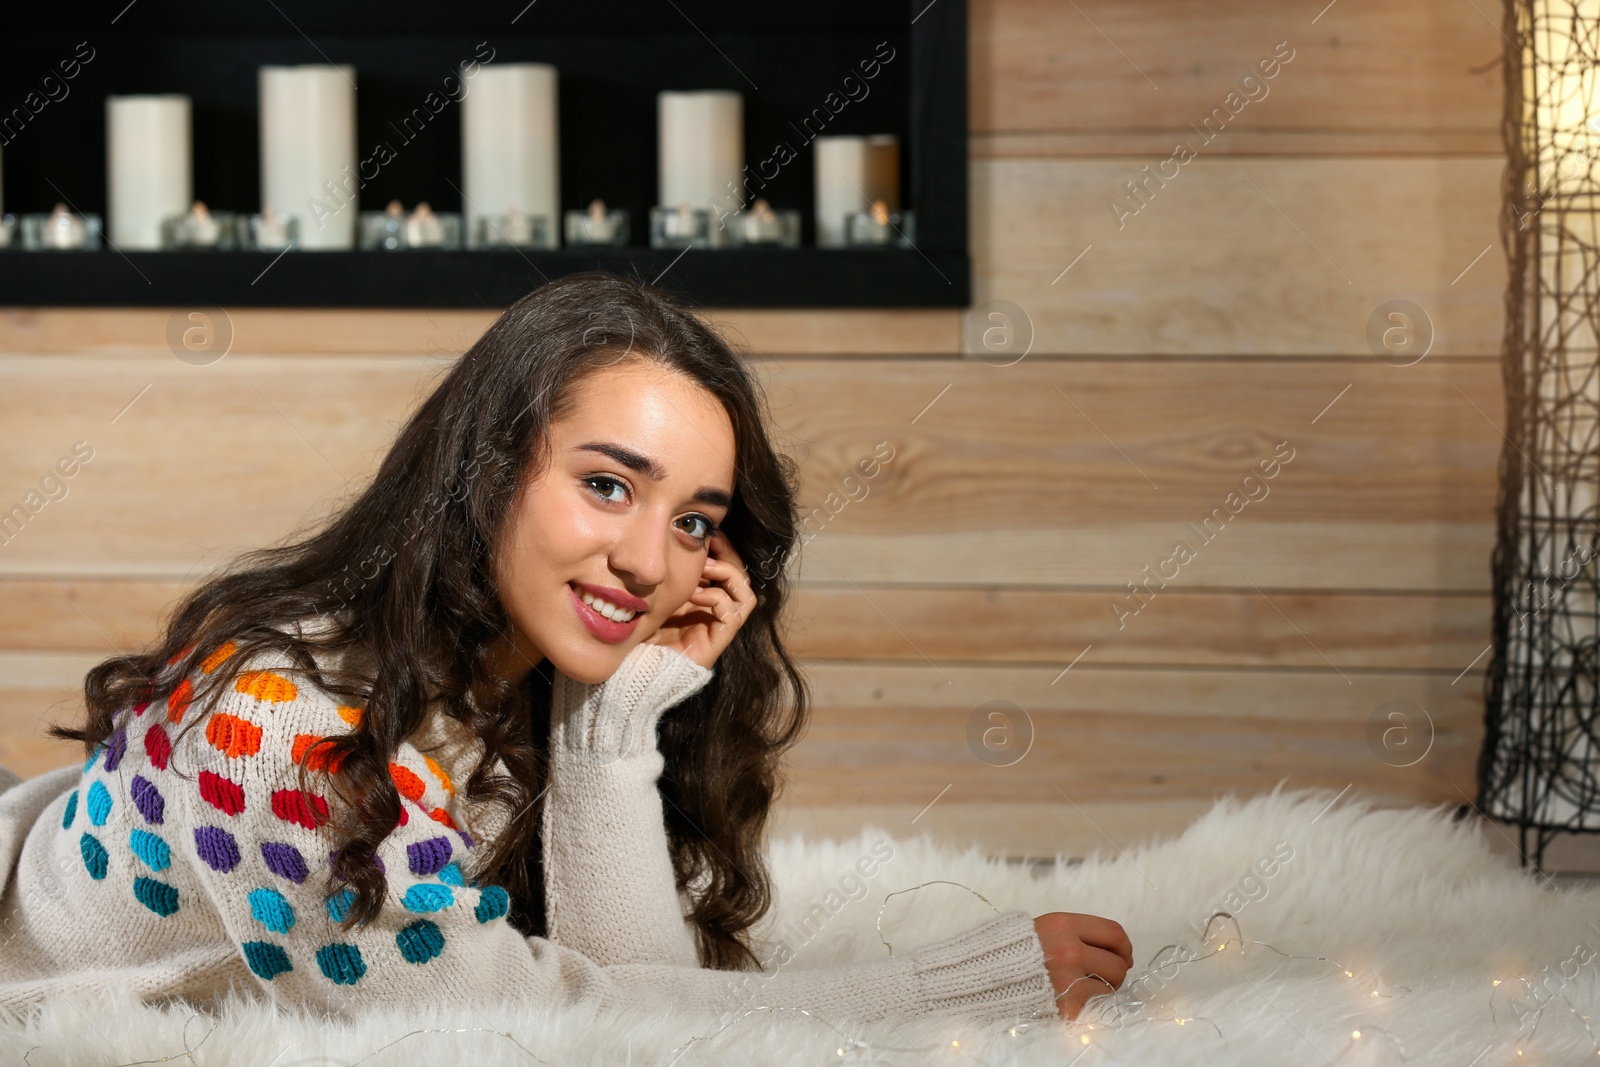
(1416, 908)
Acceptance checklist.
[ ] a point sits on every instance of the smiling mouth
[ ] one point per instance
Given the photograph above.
(605, 607)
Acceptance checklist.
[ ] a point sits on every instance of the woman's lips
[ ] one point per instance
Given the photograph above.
(612, 633)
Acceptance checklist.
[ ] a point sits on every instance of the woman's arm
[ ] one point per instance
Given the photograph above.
(254, 851)
(610, 892)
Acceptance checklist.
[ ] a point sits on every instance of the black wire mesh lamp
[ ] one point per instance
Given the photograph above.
(1540, 765)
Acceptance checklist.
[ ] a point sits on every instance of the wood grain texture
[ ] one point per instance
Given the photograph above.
(886, 739)
(1045, 473)
(1271, 257)
(445, 332)
(872, 621)
(1130, 66)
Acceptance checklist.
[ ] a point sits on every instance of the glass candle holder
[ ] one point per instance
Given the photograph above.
(269, 232)
(596, 225)
(880, 228)
(61, 230)
(200, 228)
(10, 232)
(392, 230)
(512, 230)
(680, 226)
(761, 225)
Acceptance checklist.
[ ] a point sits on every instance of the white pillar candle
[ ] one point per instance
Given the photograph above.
(308, 151)
(700, 151)
(510, 155)
(148, 172)
(852, 174)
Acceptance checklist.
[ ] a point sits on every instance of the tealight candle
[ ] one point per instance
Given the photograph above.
(683, 226)
(761, 225)
(423, 228)
(270, 232)
(515, 229)
(65, 229)
(198, 228)
(62, 229)
(879, 227)
(597, 225)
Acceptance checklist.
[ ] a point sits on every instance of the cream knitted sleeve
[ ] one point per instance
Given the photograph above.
(247, 853)
(610, 892)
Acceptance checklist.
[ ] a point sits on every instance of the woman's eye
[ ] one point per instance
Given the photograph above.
(704, 529)
(601, 479)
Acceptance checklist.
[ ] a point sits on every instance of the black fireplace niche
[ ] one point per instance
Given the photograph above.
(789, 60)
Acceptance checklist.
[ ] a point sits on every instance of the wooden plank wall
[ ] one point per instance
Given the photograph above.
(1173, 349)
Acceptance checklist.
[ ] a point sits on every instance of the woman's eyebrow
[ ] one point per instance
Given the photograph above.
(643, 464)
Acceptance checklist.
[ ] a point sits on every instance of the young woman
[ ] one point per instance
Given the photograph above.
(506, 728)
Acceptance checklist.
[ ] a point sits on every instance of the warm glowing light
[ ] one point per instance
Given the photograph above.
(1182, 1021)
(1347, 974)
(1084, 1038)
(1497, 981)
(1374, 992)
(955, 1044)
(1355, 1035)
(840, 1051)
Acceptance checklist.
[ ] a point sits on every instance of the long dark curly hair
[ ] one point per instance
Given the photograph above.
(402, 579)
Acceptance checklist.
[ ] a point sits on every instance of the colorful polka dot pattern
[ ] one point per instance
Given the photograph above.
(224, 794)
(233, 736)
(341, 963)
(428, 857)
(99, 803)
(421, 941)
(267, 687)
(158, 747)
(428, 896)
(239, 737)
(159, 897)
(339, 904)
(271, 909)
(217, 848)
(301, 808)
(150, 849)
(284, 861)
(94, 856)
(493, 903)
(148, 799)
(266, 960)
(180, 699)
(116, 748)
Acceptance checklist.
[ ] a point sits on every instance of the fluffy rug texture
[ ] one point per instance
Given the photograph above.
(1435, 948)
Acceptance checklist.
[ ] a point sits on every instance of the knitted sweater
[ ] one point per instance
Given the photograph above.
(179, 868)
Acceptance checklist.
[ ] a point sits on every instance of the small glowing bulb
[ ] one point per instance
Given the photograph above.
(1182, 1021)
(1374, 992)
(1222, 947)
(1355, 1035)
(1347, 974)
(840, 1051)
(1084, 1038)
(955, 1044)
(1497, 981)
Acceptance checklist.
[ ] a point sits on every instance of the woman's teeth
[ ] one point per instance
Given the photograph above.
(606, 608)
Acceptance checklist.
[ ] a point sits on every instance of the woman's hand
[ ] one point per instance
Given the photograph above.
(704, 626)
(1076, 949)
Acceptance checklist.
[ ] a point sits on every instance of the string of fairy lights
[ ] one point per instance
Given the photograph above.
(1103, 1015)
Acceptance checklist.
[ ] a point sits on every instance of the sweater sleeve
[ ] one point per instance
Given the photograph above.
(610, 891)
(255, 849)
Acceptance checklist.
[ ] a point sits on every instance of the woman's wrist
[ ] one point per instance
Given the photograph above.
(618, 716)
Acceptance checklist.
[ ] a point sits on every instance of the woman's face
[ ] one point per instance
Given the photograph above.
(641, 469)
